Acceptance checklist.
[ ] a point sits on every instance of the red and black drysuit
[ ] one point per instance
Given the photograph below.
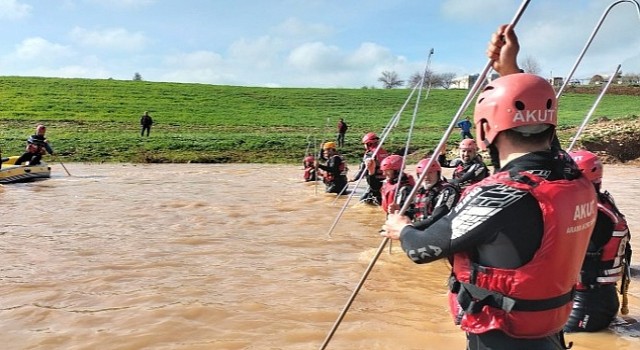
(335, 176)
(506, 236)
(372, 194)
(434, 202)
(466, 174)
(608, 257)
(394, 191)
(309, 169)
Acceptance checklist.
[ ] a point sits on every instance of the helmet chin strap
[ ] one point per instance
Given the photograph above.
(495, 157)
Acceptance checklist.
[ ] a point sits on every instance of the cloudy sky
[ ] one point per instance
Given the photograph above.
(303, 43)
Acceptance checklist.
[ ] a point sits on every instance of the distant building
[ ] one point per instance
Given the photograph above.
(467, 81)
(557, 81)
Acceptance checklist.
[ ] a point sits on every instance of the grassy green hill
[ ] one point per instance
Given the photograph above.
(98, 120)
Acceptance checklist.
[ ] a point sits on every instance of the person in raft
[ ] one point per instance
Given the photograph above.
(37, 146)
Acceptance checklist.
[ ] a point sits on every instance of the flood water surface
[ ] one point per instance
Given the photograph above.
(121, 256)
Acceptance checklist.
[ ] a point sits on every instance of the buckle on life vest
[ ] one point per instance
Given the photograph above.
(472, 298)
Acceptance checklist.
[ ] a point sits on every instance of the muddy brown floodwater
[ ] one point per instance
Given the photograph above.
(122, 256)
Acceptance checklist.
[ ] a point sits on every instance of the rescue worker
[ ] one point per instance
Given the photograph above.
(607, 260)
(517, 238)
(435, 198)
(334, 172)
(372, 195)
(309, 168)
(469, 167)
(397, 185)
(37, 146)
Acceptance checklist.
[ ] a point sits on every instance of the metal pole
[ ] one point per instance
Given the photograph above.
(385, 134)
(463, 107)
(413, 118)
(593, 34)
(593, 108)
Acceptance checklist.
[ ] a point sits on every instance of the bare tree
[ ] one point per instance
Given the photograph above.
(446, 79)
(390, 80)
(530, 65)
(631, 78)
(415, 79)
(596, 79)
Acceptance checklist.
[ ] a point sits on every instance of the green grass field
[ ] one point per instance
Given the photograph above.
(98, 120)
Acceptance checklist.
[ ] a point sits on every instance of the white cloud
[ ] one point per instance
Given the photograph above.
(41, 50)
(558, 41)
(13, 9)
(196, 59)
(113, 38)
(261, 52)
(315, 56)
(199, 66)
(296, 28)
(125, 4)
(488, 10)
(370, 54)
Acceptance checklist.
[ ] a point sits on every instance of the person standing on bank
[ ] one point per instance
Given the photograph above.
(465, 128)
(145, 122)
(342, 130)
(512, 281)
(596, 302)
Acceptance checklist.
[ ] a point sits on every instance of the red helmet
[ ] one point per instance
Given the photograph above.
(435, 166)
(309, 159)
(589, 164)
(370, 138)
(468, 144)
(393, 162)
(524, 102)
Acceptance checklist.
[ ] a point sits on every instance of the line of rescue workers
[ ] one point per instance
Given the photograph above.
(514, 284)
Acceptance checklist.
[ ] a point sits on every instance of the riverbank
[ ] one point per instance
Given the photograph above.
(98, 120)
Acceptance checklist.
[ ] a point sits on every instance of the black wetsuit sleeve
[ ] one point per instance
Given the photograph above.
(601, 232)
(333, 166)
(451, 163)
(482, 224)
(373, 181)
(476, 171)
